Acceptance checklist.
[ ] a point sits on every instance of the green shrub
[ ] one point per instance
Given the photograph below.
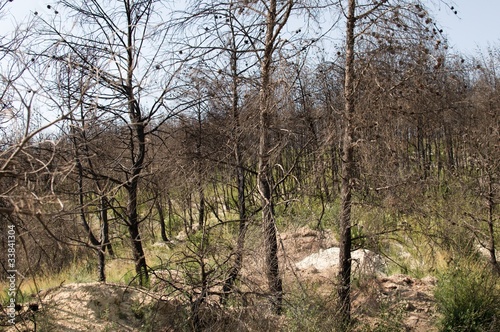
(468, 298)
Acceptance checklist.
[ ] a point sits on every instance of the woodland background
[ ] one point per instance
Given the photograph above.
(217, 127)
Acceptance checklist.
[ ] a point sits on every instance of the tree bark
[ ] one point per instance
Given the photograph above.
(491, 227)
(132, 215)
(101, 265)
(170, 216)
(105, 241)
(240, 173)
(348, 171)
(132, 191)
(96, 244)
(201, 209)
(264, 167)
(137, 149)
(161, 215)
(138, 254)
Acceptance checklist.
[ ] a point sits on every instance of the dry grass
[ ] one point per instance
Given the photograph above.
(380, 303)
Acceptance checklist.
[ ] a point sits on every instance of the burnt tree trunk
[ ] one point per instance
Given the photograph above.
(348, 173)
(137, 150)
(491, 227)
(266, 106)
(132, 187)
(105, 241)
(96, 244)
(132, 192)
(161, 216)
(240, 172)
(138, 254)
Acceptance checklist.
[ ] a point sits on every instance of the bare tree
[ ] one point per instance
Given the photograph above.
(276, 16)
(483, 153)
(29, 174)
(131, 74)
(371, 28)
(23, 125)
(348, 169)
(247, 34)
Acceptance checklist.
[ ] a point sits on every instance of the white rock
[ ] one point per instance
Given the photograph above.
(367, 260)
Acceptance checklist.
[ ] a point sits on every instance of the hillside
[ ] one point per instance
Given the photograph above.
(396, 301)
(252, 165)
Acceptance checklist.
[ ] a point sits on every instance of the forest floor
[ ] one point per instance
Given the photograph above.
(396, 302)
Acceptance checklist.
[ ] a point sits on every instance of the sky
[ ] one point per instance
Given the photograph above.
(475, 26)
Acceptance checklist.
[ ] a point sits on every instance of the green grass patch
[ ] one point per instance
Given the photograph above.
(468, 297)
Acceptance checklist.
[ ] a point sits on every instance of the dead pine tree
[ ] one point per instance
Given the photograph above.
(344, 276)
(275, 20)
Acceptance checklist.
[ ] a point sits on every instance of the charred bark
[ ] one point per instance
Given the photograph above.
(348, 173)
(161, 216)
(234, 271)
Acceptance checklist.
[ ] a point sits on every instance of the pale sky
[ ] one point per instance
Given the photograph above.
(474, 28)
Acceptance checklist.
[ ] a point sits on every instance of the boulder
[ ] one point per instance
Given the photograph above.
(363, 260)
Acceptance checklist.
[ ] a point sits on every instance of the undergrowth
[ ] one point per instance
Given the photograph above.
(468, 297)
(307, 310)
